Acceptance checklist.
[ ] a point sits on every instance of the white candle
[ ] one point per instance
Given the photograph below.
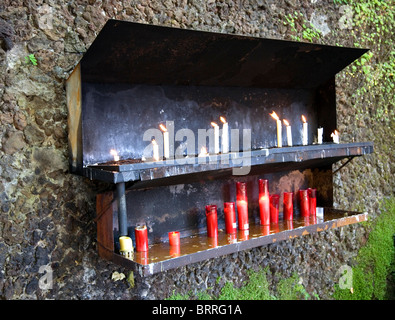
(289, 133)
(115, 154)
(155, 150)
(305, 133)
(166, 144)
(279, 130)
(335, 136)
(319, 135)
(216, 137)
(225, 135)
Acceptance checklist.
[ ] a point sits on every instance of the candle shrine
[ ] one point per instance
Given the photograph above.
(177, 123)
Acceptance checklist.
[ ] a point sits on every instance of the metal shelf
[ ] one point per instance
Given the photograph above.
(199, 247)
(146, 173)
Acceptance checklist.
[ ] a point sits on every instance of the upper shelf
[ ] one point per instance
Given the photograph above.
(146, 173)
(127, 52)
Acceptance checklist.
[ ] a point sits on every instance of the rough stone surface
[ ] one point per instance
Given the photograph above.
(47, 215)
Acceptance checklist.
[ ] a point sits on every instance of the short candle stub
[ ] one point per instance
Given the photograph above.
(126, 247)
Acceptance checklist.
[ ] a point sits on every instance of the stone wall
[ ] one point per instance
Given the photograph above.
(47, 215)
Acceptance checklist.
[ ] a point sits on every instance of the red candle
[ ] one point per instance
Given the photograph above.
(211, 220)
(304, 203)
(312, 201)
(288, 207)
(141, 235)
(174, 238)
(274, 204)
(265, 230)
(174, 251)
(264, 202)
(230, 217)
(242, 205)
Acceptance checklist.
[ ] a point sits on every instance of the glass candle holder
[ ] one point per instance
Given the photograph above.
(313, 201)
(288, 206)
(141, 235)
(274, 205)
(264, 202)
(230, 217)
(242, 205)
(211, 220)
(304, 203)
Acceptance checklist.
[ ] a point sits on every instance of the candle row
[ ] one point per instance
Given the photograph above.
(268, 208)
(268, 211)
(305, 142)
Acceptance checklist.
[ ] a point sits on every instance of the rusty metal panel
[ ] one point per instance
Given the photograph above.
(73, 95)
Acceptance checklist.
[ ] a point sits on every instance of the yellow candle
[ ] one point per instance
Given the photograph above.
(225, 135)
(166, 144)
(216, 137)
(279, 130)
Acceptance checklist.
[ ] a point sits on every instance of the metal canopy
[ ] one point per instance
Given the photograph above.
(127, 52)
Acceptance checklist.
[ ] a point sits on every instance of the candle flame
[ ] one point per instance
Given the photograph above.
(214, 124)
(286, 122)
(203, 152)
(334, 133)
(303, 118)
(223, 120)
(274, 116)
(162, 127)
(115, 154)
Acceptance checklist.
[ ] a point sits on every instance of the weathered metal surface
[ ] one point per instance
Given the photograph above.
(73, 95)
(156, 55)
(200, 247)
(325, 154)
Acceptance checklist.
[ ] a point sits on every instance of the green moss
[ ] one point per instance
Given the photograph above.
(375, 260)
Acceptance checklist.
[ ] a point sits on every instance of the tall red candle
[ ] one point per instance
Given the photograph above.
(211, 220)
(141, 235)
(264, 201)
(288, 207)
(230, 217)
(174, 238)
(274, 204)
(304, 203)
(312, 201)
(242, 205)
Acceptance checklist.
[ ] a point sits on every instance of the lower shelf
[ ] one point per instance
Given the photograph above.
(162, 257)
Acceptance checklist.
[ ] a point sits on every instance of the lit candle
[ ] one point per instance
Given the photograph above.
(126, 247)
(274, 205)
(264, 201)
(155, 150)
(166, 144)
(225, 135)
(174, 238)
(230, 217)
(279, 130)
(289, 133)
(203, 152)
(242, 205)
(320, 132)
(288, 208)
(141, 235)
(216, 137)
(335, 136)
(312, 201)
(211, 220)
(304, 134)
(115, 154)
(304, 203)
